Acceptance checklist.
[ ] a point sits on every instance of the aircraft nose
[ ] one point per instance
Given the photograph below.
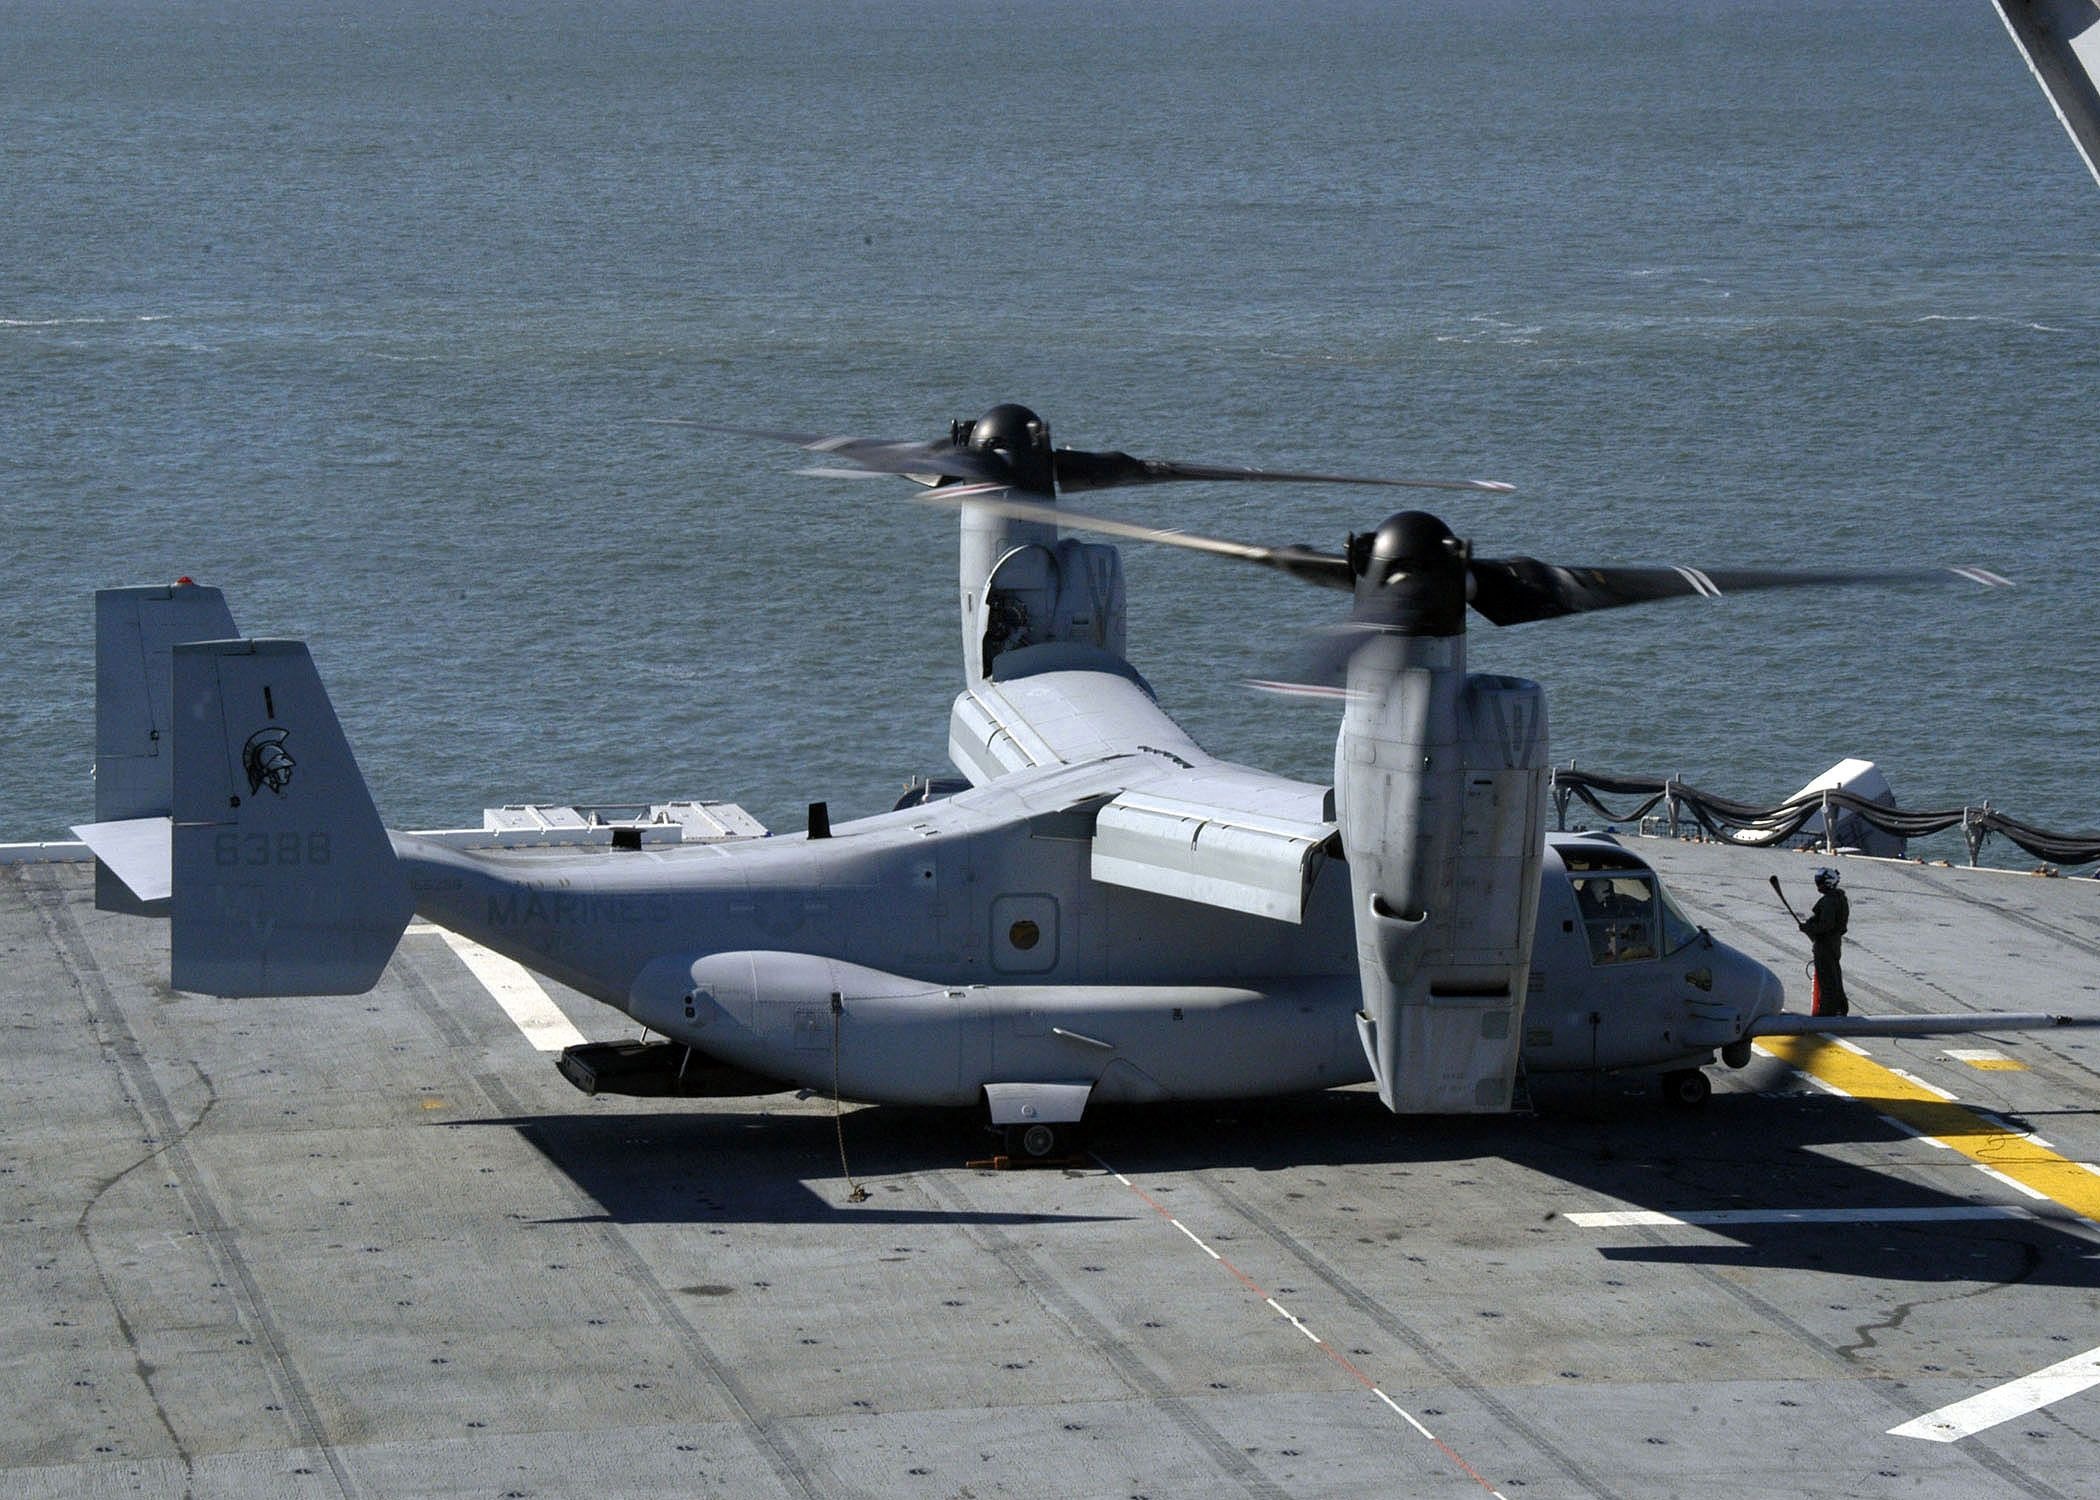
(1752, 988)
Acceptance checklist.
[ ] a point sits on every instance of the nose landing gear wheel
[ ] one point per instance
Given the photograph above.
(1687, 1088)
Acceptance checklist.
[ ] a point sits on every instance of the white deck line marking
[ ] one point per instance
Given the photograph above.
(1697, 1219)
(1931, 1088)
(1293, 1319)
(1914, 1133)
(1192, 1238)
(2012, 1182)
(520, 995)
(2015, 1398)
(2017, 1130)
(1328, 1349)
(1976, 1054)
(1410, 1416)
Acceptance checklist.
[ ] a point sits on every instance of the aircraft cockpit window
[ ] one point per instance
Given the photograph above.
(1587, 859)
(1677, 928)
(1618, 915)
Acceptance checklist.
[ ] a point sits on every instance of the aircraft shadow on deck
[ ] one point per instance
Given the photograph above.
(695, 1166)
(1743, 1151)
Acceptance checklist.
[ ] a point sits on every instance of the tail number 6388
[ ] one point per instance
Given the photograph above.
(231, 848)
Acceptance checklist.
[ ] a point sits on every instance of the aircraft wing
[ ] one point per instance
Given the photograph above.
(1064, 717)
(1794, 1024)
(1174, 819)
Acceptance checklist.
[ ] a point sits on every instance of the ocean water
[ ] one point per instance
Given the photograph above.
(366, 313)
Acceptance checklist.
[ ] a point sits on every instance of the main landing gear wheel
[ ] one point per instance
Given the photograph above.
(1687, 1088)
(1038, 1142)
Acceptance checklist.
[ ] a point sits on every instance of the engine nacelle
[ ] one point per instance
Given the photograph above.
(1038, 591)
(1440, 790)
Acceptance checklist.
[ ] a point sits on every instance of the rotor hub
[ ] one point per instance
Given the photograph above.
(1019, 439)
(1411, 576)
(1011, 429)
(1412, 542)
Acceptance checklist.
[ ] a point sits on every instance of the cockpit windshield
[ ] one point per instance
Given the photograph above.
(1677, 928)
(1618, 915)
(1626, 915)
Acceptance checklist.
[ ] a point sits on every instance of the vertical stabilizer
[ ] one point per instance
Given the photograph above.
(285, 881)
(136, 632)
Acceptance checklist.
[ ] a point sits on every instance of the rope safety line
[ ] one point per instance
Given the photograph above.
(838, 1112)
(1759, 826)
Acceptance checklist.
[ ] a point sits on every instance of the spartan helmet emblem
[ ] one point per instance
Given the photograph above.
(266, 761)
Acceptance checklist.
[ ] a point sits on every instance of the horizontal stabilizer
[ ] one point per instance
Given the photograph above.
(138, 851)
(1785, 1024)
(2061, 41)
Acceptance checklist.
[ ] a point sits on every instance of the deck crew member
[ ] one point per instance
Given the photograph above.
(1825, 927)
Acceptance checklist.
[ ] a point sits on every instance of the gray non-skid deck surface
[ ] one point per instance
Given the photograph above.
(377, 1246)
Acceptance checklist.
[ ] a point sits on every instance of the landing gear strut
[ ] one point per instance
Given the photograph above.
(1687, 1088)
(1037, 1123)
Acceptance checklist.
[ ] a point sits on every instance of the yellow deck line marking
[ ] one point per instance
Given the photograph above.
(1849, 1071)
(1931, 1088)
(2012, 1182)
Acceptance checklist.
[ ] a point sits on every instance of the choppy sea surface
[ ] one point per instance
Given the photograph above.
(365, 313)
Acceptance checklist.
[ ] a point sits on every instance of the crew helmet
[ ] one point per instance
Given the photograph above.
(1826, 880)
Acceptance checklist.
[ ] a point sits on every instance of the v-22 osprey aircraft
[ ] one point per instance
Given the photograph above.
(1105, 912)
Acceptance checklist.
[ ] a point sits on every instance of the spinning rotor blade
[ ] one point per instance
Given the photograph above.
(1080, 470)
(875, 455)
(1514, 590)
(1320, 669)
(1010, 445)
(1330, 569)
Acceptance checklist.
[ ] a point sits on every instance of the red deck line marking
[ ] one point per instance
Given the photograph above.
(1325, 1348)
